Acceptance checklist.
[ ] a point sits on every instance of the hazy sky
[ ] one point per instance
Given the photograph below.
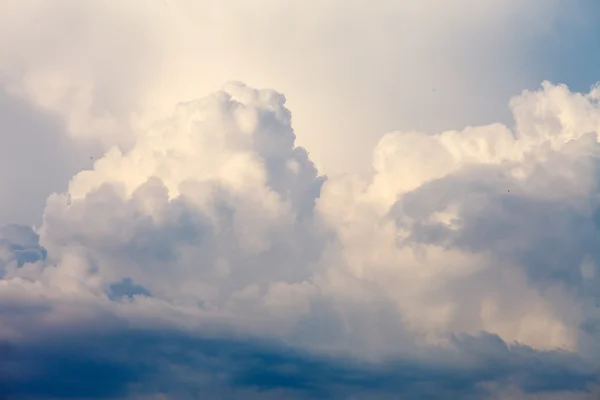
(295, 199)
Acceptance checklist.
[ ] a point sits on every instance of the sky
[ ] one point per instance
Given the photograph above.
(299, 200)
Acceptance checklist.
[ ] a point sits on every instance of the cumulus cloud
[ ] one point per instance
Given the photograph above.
(76, 80)
(212, 257)
(513, 210)
(157, 245)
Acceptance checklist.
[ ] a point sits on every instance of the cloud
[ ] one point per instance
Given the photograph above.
(19, 245)
(213, 258)
(175, 365)
(35, 159)
(488, 221)
(156, 245)
(78, 79)
(110, 69)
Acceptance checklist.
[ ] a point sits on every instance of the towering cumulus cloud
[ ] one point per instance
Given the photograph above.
(212, 260)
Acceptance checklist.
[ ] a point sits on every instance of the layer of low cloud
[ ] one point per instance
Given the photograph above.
(466, 266)
(166, 364)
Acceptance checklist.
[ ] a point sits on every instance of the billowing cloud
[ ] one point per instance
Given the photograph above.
(85, 76)
(483, 221)
(157, 245)
(212, 258)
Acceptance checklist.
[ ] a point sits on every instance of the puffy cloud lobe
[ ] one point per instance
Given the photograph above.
(484, 228)
(210, 209)
(214, 221)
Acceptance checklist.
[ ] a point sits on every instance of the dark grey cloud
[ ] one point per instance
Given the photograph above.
(126, 287)
(19, 245)
(549, 237)
(126, 363)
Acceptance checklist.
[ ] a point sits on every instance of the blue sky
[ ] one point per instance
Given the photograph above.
(565, 56)
(218, 199)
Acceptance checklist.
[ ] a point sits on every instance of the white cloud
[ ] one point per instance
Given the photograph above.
(212, 219)
(205, 213)
(106, 70)
(454, 226)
